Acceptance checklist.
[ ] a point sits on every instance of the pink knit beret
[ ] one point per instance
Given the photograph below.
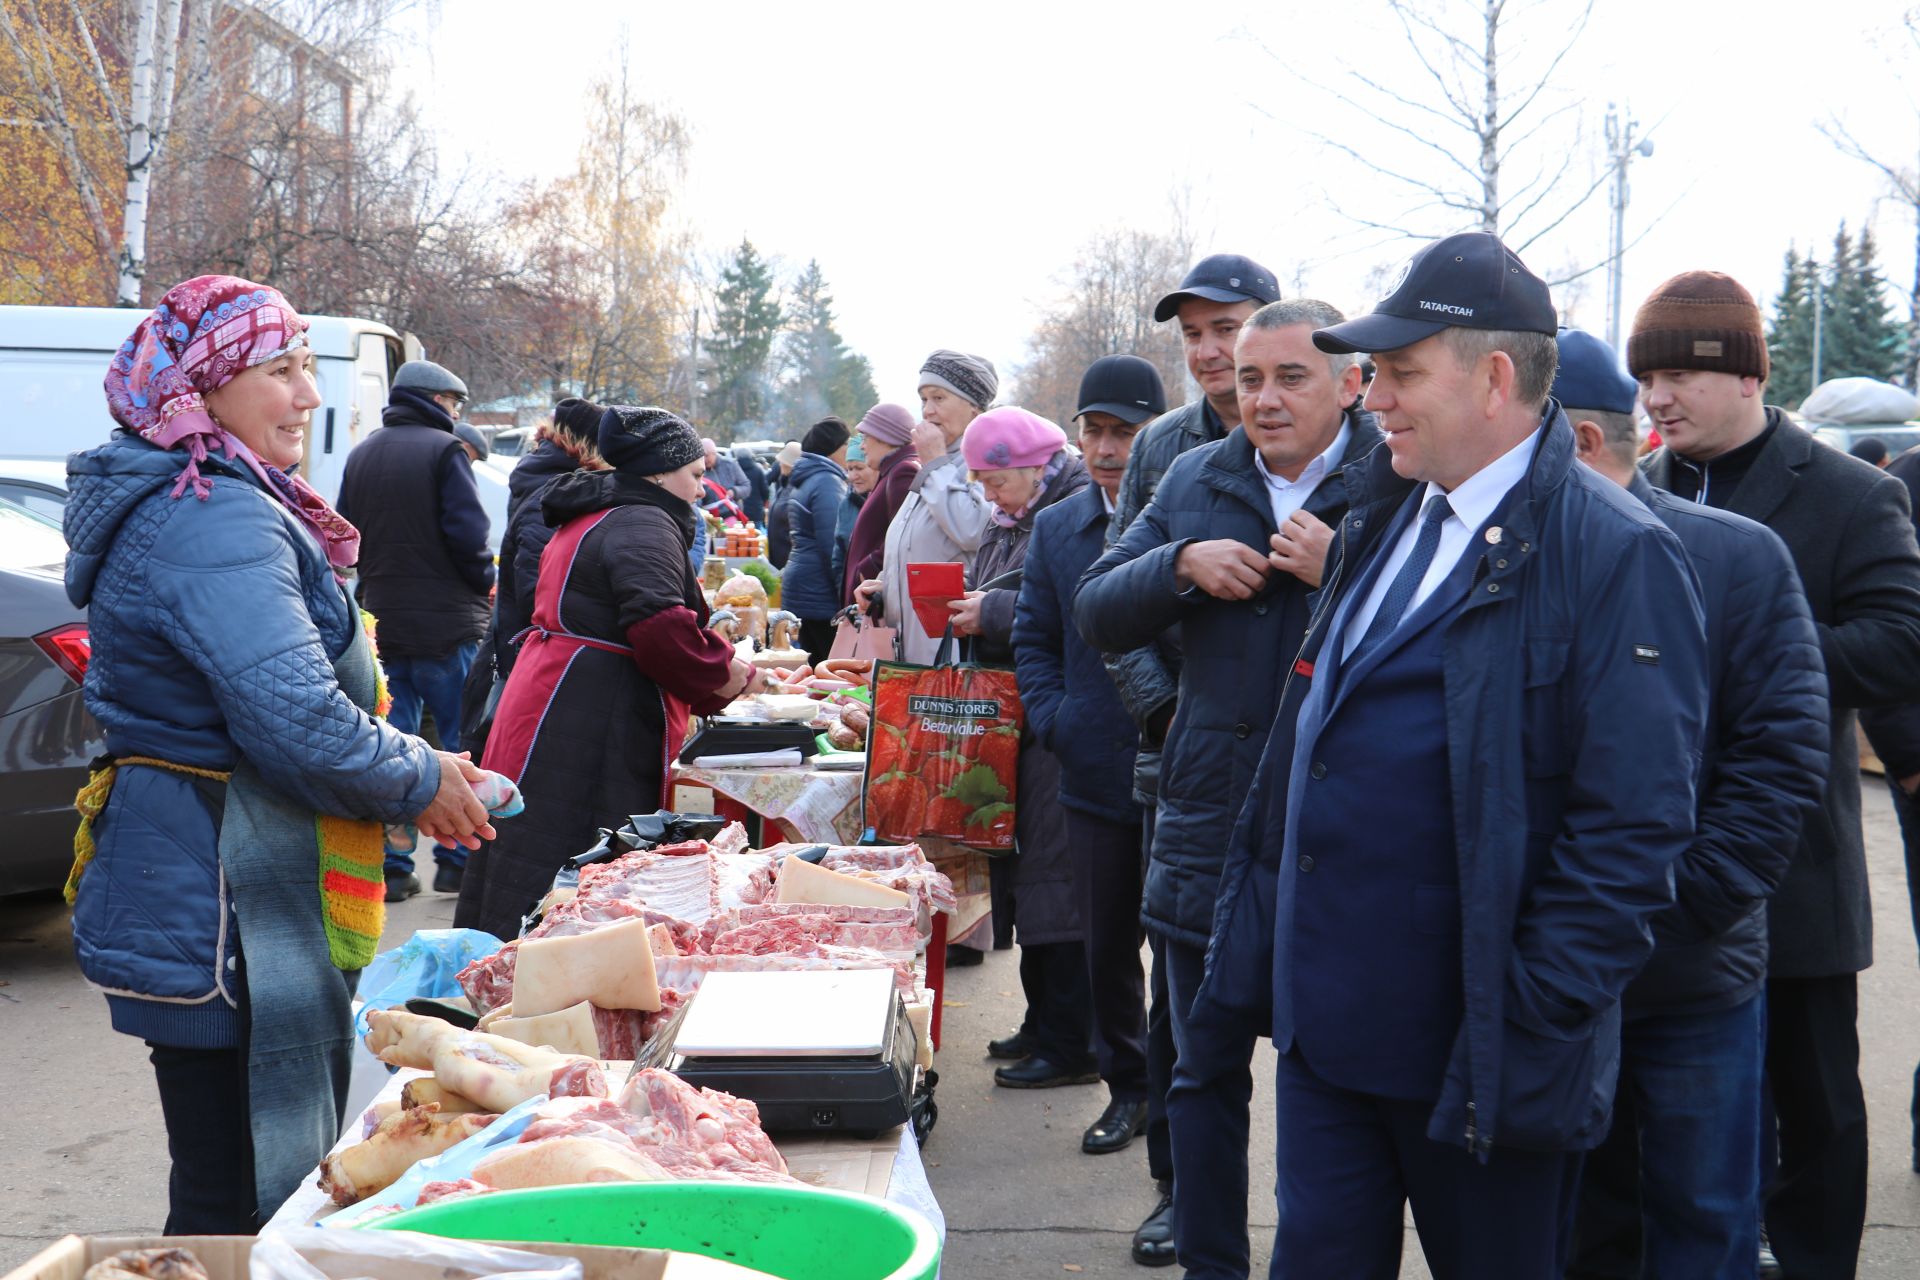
(1010, 437)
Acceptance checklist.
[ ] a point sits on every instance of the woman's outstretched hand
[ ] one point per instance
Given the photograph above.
(456, 815)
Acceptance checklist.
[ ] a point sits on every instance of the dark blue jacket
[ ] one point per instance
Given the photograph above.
(810, 582)
(1763, 770)
(1071, 703)
(1235, 654)
(1576, 706)
(425, 564)
(214, 627)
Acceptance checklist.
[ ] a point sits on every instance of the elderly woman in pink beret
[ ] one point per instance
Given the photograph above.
(1023, 465)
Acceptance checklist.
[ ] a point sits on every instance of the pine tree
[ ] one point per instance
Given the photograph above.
(823, 376)
(1879, 339)
(747, 318)
(1790, 337)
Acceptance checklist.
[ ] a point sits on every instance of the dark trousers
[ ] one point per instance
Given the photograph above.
(1059, 1021)
(1207, 1114)
(203, 1097)
(1673, 1192)
(1816, 1206)
(1348, 1163)
(816, 637)
(437, 685)
(1159, 1066)
(1908, 811)
(1109, 882)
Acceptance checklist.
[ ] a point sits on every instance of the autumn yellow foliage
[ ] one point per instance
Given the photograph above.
(53, 249)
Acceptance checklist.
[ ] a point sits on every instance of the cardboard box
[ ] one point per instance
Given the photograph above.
(225, 1258)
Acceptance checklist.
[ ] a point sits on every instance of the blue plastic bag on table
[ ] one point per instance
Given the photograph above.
(427, 964)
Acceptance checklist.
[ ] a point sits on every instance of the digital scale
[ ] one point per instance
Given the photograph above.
(822, 1051)
(738, 735)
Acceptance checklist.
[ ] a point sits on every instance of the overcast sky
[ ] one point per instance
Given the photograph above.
(945, 163)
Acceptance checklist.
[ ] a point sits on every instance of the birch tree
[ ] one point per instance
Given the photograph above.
(156, 50)
(33, 32)
(1479, 132)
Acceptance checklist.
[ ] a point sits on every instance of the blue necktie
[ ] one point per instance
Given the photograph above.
(1393, 606)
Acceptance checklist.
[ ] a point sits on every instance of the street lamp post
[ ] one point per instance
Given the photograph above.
(1621, 148)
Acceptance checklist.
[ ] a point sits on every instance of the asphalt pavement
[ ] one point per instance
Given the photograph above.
(82, 1147)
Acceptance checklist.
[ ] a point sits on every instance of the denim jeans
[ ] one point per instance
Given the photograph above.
(436, 684)
(1674, 1191)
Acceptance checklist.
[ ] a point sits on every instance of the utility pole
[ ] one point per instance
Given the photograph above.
(1819, 310)
(1621, 148)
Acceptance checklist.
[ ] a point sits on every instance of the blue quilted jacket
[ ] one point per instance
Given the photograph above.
(214, 626)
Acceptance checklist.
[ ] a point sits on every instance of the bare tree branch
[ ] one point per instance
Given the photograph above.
(99, 67)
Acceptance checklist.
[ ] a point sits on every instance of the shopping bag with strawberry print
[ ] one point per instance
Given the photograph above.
(943, 755)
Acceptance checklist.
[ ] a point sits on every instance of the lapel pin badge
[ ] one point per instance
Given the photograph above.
(1493, 535)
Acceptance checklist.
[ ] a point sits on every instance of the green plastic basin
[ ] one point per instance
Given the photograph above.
(793, 1233)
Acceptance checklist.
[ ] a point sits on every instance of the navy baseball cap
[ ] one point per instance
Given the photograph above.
(1127, 387)
(1591, 376)
(1221, 277)
(1468, 281)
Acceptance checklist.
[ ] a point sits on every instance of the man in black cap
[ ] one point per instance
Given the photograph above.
(425, 569)
(1211, 304)
(1465, 819)
(1675, 1188)
(1075, 710)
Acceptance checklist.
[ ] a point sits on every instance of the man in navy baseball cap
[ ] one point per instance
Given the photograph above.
(1211, 305)
(1468, 281)
(1221, 277)
(1467, 809)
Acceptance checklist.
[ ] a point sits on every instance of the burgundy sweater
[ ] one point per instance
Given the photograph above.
(868, 543)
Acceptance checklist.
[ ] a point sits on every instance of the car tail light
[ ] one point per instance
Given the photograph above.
(69, 647)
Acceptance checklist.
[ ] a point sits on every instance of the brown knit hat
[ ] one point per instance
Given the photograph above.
(1699, 320)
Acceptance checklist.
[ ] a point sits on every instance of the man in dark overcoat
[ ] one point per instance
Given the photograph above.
(1675, 1188)
(1699, 352)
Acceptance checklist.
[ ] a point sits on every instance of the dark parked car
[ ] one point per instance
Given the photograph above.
(47, 738)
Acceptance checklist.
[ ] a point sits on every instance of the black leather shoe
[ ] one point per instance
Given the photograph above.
(1118, 1125)
(964, 957)
(1040, 1073)
(447, 878)
(1153, 1242)
(1010, 1048)
(400, 888)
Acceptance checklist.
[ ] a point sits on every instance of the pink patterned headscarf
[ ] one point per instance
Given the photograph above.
(203, 334)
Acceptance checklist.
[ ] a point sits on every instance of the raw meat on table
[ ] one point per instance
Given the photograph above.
(495, 1072)
(369, 1167)
(457, 1189)
(660, 1127)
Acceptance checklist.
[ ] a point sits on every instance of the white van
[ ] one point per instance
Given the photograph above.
(53, 361)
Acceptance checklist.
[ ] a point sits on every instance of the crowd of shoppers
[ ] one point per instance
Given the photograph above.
(1411, 710)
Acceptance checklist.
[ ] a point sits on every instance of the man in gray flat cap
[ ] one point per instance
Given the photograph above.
(425, 568)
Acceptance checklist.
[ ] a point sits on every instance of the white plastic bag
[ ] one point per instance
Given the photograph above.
(320, 1253)
(1859, 402)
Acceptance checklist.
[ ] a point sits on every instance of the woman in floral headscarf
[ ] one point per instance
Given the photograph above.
(227, 885)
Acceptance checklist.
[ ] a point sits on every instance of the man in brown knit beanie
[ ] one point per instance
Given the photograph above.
(1700, 357)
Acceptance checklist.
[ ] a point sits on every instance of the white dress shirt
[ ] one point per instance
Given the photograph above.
(1473, 503)
(1288, 496)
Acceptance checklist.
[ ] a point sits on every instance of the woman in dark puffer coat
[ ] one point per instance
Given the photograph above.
(619, 653)
(1023, 465)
